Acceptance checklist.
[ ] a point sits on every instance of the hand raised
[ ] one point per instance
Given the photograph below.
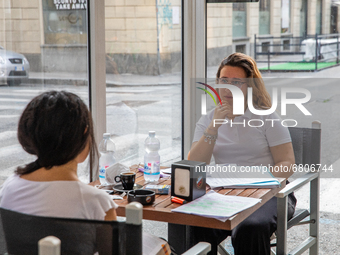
(221, 112)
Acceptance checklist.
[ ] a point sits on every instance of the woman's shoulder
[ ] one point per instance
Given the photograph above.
(13, 179)
(96, 198)
(88, 190)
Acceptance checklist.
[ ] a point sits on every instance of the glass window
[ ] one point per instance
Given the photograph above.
(264, 19)
(303, 18)
(219, 34)
(43, 47)
(65, 23)
(143, 66)
(319, 17)
(239, 20)
(285, 19)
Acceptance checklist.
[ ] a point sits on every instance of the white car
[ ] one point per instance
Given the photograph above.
(14, 67)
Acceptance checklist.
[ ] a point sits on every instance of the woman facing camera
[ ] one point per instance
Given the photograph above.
(235, 141)
(57, 127)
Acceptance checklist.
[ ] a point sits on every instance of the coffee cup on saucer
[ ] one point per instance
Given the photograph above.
(127, 179)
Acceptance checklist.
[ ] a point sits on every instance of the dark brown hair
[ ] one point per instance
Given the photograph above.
(261, 97)
(55, 126)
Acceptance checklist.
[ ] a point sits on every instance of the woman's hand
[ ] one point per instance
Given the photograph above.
(221, 112)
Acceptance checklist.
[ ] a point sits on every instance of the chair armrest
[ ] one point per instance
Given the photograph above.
(49, 245)
(202, 248)
(294, 185)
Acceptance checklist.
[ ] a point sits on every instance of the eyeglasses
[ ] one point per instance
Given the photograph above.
(236, 83)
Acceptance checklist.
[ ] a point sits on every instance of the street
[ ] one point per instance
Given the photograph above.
(131, 112)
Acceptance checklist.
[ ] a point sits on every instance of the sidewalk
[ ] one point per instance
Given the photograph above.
(118, 80)
(112, 80)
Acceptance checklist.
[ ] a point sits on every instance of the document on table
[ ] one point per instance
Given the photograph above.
(154, 245)
(232, 176)
(215, 205)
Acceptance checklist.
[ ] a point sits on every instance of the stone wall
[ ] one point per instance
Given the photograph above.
(219, 32)
(20, 25)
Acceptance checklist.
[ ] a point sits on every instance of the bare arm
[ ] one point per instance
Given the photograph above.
(202, 150)
(284, 159)
(111, 214)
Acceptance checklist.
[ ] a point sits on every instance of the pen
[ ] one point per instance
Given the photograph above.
(178, 200)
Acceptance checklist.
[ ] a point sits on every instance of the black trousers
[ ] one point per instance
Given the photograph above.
(252, 236)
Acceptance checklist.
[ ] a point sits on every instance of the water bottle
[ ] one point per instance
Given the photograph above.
(151, 158)
(107, 149)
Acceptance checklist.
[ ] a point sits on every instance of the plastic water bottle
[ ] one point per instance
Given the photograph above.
(151, 158)
(107, 149)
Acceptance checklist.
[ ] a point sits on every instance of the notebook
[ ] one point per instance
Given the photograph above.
(232, 176)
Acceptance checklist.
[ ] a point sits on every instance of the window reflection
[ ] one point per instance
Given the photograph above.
(143, 66)
(44, 48)
(264, 18)
(239, 19)
(285, 20)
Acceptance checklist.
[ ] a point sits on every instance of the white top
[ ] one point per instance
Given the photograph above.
(242, 144)
(68, 199)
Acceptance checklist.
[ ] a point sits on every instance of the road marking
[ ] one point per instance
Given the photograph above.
(9, 116)
(11, 150)
(11, 107)
(8, 135)
(14, 100)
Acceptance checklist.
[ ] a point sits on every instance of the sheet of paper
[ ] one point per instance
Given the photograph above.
(166, 170)
(154, 245)
(240, 176)
(215, 205)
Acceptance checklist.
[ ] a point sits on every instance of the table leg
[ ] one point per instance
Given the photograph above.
(182, 238)
(179, 237)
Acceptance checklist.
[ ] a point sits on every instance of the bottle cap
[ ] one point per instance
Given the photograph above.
(152, 133)
(106, 135)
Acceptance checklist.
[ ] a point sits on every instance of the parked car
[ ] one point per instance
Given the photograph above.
(14, 67)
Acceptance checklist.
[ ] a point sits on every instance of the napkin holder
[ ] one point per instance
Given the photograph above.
(188, 179)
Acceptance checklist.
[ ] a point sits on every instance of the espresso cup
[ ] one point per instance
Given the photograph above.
(127, 179)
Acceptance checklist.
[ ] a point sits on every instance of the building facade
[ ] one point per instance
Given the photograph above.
(144, 36)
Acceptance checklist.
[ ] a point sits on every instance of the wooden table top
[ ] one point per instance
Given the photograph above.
(160, 210)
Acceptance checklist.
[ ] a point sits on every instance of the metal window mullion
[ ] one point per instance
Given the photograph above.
(97, 69)
(194, 65)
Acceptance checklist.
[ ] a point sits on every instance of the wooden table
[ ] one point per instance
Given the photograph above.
(160, 210)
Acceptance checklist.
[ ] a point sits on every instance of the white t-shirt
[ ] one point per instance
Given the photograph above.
(68, 199)
(242, 144)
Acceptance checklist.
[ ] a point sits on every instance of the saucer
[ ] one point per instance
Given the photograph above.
(120, 188)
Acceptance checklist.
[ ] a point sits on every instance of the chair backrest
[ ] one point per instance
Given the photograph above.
(78, 236)
(306, 144)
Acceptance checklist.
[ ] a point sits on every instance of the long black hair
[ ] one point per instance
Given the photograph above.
(55, 126)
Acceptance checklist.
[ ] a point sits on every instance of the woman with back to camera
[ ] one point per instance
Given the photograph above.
(245, 145)
(57, 127)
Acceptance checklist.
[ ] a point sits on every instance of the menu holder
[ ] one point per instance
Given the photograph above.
(187, 180)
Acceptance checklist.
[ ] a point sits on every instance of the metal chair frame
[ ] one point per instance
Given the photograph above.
(307, 147)
(307, 150)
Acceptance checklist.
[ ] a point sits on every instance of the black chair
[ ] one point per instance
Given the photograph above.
(307, 150)
(22, 232)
